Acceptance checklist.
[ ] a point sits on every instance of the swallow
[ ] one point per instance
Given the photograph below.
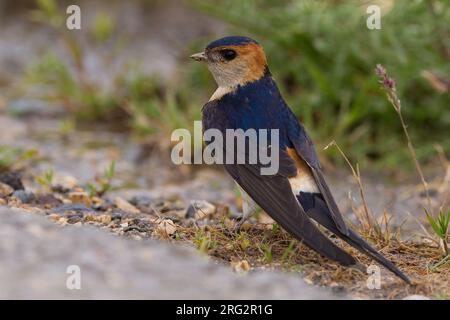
(296, 196)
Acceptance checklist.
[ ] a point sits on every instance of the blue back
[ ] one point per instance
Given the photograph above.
(257, 105)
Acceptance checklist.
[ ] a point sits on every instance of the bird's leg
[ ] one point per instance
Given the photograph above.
(247, 211)
(249, 207)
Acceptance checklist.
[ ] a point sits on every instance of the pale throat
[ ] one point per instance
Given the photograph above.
(228, 78)
(220, 92)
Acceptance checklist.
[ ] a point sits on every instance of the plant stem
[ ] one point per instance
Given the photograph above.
(391, 92)
(357, 176)
(414, 156)
(445, 246)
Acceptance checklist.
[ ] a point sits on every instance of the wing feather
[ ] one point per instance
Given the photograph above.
(273, 194)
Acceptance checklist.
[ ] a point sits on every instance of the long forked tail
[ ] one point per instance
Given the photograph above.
(317, 210)
(357, 242)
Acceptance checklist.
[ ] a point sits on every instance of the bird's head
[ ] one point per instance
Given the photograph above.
(234, 60)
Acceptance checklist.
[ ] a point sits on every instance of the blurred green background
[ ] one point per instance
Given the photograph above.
(320, 52)
(323, 56)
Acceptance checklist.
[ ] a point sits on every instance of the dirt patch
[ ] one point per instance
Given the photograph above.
(261, 245)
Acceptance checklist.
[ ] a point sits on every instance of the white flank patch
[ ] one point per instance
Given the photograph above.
(303, 183)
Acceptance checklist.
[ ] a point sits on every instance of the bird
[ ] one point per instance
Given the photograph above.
(297, 196)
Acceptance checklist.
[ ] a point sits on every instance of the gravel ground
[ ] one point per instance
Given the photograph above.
(36, 253)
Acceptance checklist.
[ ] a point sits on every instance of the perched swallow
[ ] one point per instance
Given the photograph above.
(247, 97)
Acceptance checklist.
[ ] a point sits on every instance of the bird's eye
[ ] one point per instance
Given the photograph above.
(228, 54)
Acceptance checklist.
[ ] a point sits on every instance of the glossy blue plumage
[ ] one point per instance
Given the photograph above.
(230, 41)
(259, 105)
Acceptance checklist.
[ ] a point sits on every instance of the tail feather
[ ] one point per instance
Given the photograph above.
(316, 209)
(357, 242)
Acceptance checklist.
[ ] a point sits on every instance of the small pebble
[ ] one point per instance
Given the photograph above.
(5, 190)
(166, 226)
(48, 200)
(13, 179)
(104, 218)
(141, 200)
(97, 202)
(200, 209)
(62, 221)
(65, 183)
(116, 215)
(240, 266)
(73, 219)
(25, 196)
(125, 205)
(54, 217)
(80, 197)
(89, 217)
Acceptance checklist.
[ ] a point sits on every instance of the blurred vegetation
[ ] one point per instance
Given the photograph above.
(440, 227)
(103, 184)
(15, 158)
(46, 179)
(137, 101)
(322, 55)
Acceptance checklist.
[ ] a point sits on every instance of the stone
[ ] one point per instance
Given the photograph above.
(97, 202)
(200, 209)
(141, 200)
(5, 190)
(104, 205)
(13, 179)
(222, 210)
(48, 200)
(89, 217)
(240, 266)
(116, 215)
(124, 205)
(65, 182)
(25, 196)
(62, 221)
(166, 226)
(80, 197)
(54, 217)
(104, 218)
(72, 219)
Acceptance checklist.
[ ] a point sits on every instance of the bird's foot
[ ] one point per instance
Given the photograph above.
(238, 225)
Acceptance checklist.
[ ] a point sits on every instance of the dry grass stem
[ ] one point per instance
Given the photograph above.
(370, 225)
(391, 92)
